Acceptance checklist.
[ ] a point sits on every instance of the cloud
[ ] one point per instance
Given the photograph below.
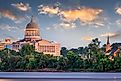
(111, 34)
(118, 10)
(67, 25)
(99, 24)
(84, 14)
(7, 27)
(48, 28)
(87, 38)
(21, 6)
(117, 34)
(118, 22)
(20, 20)
(10, 36)
(95, 23)
(8, 14)
(48, 10)
(62, 25)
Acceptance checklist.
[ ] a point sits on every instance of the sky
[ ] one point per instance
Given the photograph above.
(72, 23)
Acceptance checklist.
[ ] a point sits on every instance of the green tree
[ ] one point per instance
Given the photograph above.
(74, 61)
(81, 50)
(64, 51)
(62, 63)
(27, 50)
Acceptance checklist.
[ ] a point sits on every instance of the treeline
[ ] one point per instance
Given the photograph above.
(91, 59)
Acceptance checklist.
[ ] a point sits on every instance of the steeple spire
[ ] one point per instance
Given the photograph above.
(108, 41)
(32, 19)
(108, 47)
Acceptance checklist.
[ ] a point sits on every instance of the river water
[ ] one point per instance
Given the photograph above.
(58, 76)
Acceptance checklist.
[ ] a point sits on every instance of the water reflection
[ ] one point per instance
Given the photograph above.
(59, 76)
(57, 80)
(5, 80)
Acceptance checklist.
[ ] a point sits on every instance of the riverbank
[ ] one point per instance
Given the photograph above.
(54, 70)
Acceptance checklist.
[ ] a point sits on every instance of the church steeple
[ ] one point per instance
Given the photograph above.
(108, 47)
(108, 41)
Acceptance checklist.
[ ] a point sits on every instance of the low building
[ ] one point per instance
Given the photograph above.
(112, 50)
(5, 43)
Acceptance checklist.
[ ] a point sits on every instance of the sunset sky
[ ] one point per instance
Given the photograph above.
(73, 23)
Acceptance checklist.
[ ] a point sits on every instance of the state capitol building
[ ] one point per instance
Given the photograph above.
(32, 36)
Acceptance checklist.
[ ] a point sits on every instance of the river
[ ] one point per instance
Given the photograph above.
(59, 76)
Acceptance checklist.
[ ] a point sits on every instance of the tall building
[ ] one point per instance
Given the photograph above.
(32, 36)
(32, 31)
(108, 47)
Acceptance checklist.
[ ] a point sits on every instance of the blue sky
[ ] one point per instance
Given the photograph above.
(73, 23)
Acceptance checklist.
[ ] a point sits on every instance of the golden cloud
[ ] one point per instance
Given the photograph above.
(111, 34)
(83, 14)
(8, 14)
(118, 10)
(87, 38)
(21, 6)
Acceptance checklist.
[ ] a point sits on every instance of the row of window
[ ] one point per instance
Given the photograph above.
(47, 48)
(32, 33)
(17, 46)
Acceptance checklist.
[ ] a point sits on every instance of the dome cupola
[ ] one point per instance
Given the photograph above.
(32, 30)
(32, 23)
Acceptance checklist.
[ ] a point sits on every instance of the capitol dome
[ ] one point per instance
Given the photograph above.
(32, 31)
(32, 23)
